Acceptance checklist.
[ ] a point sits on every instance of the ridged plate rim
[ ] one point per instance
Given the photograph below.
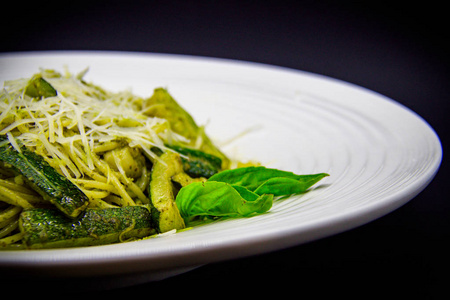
(180, 73)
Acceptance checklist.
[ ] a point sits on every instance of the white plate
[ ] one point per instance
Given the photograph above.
(379, 155)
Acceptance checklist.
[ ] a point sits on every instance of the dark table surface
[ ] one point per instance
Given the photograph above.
(398, 49)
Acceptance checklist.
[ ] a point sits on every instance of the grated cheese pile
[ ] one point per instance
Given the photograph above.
(81, 121)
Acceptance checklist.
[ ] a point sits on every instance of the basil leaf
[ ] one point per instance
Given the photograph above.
(220, 199)
(250, 177)
(264, 180)
(282, 186)
(241, 192)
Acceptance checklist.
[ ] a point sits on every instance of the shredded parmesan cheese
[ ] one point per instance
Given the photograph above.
(72, 129)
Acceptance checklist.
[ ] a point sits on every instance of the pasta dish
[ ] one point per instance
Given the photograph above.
(83, 166)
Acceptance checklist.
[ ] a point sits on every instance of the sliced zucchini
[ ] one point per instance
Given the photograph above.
(197, 163)
(48, 228)
(44, 179)
(162, 105)
(165, 213)
(38, 87)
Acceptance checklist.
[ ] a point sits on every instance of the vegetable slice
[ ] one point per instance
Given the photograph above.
(39, 87)
(44, 179)
(197, 163)
(162, 105)
(48, 228)
(165, 213)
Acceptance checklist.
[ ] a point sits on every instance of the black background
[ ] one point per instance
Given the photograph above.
(398, 49)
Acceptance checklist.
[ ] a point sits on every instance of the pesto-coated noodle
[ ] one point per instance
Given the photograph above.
(104, 142)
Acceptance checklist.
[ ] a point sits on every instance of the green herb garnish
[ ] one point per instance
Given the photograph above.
(241, 192)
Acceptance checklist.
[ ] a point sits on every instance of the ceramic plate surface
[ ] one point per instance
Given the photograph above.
(378, 153)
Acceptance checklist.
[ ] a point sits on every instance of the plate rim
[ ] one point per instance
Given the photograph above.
(77, 266)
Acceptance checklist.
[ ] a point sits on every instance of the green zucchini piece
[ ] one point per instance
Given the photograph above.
(44, 179)
(197, 163)
(48, 228)
(162, 105)
(38, 87)
(164, 211)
